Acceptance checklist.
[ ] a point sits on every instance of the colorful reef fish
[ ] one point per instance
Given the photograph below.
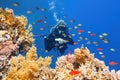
(80, 31)
(92, 34)
(74, 72)
(39, 21)
(112, 63)
(99, 49)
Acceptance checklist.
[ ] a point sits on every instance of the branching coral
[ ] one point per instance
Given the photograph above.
(26, 68)
(13, 37)
(82, 66)
(23, 68)
(82, 55)
(15, 27)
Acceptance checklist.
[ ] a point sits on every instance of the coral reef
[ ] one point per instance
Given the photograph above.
(14, 37)
(68, 67)
(14, 28)
(27, 68)
(83, 67)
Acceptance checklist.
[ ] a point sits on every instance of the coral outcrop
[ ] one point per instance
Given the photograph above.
(83, 66)
(68, 67)
(14, 28)
(27, 68)
(14, 37)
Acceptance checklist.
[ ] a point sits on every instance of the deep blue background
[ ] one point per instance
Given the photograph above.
(97, 16)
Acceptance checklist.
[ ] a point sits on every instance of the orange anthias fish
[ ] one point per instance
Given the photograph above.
(39, 21)
(112, 63)
(80, 31)
(92, 34)
(99, 49)
(74, 72)
(75, 43)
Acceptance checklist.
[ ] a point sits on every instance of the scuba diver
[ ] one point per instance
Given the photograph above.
(58, 38)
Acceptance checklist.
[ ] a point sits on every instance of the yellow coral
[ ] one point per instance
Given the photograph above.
(25, 68)
(22, 20)
(82, 55)
(16, 27)
(46, 61)
(31, 54)
(39, 61)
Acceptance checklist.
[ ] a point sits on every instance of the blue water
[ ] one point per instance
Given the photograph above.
(97, 16)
